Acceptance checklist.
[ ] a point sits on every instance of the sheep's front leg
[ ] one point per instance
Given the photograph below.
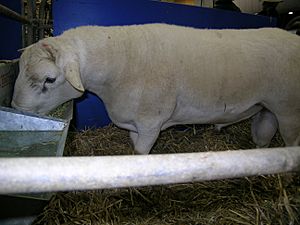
(133, 136)
(144, 140)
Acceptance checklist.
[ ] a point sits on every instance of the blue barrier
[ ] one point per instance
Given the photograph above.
(90, 110)
(11, 32)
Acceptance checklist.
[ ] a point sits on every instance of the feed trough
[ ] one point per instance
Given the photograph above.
(29, 135)
(24, 134)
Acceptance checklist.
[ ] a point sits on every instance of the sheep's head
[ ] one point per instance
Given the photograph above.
(49, 76)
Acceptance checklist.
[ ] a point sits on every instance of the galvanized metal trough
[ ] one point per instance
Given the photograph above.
(25, 134)
(29, 135)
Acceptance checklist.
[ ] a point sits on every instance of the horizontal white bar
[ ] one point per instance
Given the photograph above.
(26, 175)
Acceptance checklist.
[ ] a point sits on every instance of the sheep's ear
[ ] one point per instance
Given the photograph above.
(72, 75)
(49, 47)
(65, 61)
(23, 49)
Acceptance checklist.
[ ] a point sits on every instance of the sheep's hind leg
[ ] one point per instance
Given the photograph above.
(289, 127)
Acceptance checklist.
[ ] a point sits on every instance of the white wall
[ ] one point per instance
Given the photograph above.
(205, 3)
(252, 6)
(249, 6)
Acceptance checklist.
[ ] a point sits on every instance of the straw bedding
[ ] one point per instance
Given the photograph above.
(273, 199)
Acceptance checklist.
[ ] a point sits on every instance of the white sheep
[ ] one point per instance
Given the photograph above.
(154, 76)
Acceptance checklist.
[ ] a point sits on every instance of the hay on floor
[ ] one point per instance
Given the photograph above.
(273, 199)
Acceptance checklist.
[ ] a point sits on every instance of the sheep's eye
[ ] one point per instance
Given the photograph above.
(50, 80)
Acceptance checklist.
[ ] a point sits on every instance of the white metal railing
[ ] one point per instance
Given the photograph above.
(28, 175)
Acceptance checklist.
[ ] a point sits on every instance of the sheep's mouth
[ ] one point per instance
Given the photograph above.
(18, 106)
(23, 108)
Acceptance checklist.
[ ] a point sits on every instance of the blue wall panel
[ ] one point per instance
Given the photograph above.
(90, 110)
(72, 13)
(11, 32)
